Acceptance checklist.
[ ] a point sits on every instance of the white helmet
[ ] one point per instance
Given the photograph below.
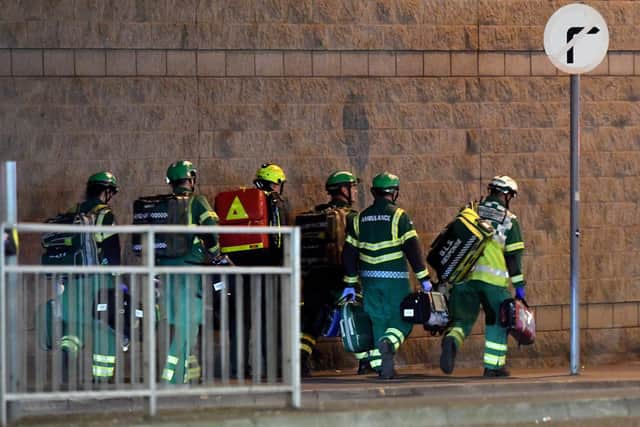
(504, 184)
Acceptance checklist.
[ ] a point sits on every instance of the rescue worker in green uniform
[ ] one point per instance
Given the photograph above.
(323, 283)
(380, 240)
(101, 187)
(183, 293)
(270, 178)
(488, 283)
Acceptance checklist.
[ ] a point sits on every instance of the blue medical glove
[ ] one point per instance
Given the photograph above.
(426, 285)
(520, 293)
(349, 294)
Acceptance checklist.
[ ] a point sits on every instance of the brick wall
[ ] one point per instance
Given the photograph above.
(444, 93)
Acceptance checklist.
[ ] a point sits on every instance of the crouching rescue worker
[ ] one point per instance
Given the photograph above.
(380, 240)
(488, 283)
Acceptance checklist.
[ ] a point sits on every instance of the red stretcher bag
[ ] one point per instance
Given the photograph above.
(245, 206)
(518, 318)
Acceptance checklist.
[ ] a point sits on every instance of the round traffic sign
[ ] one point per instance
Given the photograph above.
(576, 38)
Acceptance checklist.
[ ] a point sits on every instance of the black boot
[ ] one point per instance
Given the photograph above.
(494, 373)
(386, 350)
(448, 355)
(364, 367)
(305, 364)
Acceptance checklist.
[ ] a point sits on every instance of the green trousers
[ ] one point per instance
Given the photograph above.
(382, 300)
(183, 305)
(466, 299)
(80, 310)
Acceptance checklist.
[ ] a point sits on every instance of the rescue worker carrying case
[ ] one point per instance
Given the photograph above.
(426, 308)
(355, 328)
(244, 206)
(457, 248)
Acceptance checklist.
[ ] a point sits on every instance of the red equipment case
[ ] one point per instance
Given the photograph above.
(245, 206)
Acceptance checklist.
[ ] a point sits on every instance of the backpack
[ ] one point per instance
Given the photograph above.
(67, 248)
(457, 248)
(244, 206)
(165, 209)
(322, 237)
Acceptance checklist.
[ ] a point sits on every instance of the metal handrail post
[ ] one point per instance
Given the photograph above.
(3, 337)
(294, 243)
(150, 336)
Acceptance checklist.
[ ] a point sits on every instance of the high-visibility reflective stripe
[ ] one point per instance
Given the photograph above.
(396, 332)
(394, 223)
(514, 247)
(102, 371)
(457, 334)
(380, 245)
(306, 348)
(250, 246)
(375, 353)
(356, 225)
(172, 359)
(308, 338)
(72, 338)
(104, 358)
(193, 373)
(491, 270)
(422, 274)
(350, 279)
(409, 235)
(490, 359)
(167, 374)
(382, 258)
(207, 214)
(517, 279)
(376, 363)
(395, 341)
(214, 249)
(350, 240)
(362, 355)
(495, 346)
(384, 274)
(192, 359)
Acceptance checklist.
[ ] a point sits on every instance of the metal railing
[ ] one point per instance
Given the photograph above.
(99, 332)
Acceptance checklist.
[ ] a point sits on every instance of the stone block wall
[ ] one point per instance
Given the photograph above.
(445, 94)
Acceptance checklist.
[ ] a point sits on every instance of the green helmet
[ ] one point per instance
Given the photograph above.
(270, 172)
(386, 182)
(182, 169)
(340, 178)
(106, 179)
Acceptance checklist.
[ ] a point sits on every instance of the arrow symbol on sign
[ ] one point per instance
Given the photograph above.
(574, 35)
(571, 33)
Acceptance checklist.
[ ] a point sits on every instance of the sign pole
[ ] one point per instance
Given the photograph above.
(575, 224)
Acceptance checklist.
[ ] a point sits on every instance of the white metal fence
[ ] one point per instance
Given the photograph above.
(99, 332)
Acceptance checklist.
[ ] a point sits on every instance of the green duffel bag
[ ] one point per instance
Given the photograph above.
(355, 328)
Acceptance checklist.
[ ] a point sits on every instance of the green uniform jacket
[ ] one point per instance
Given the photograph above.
(502, 258)
(377, 242)
(203, 245)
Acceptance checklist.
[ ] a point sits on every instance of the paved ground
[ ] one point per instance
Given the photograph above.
(602, 396)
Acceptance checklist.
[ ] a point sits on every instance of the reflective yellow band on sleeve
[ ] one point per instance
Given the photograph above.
(207, 214)
(394, 223)
(214, 249)
(424, 274)
(350, 240)
(514, 247)
(409, 235)
(517, 279)
(350, 279)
